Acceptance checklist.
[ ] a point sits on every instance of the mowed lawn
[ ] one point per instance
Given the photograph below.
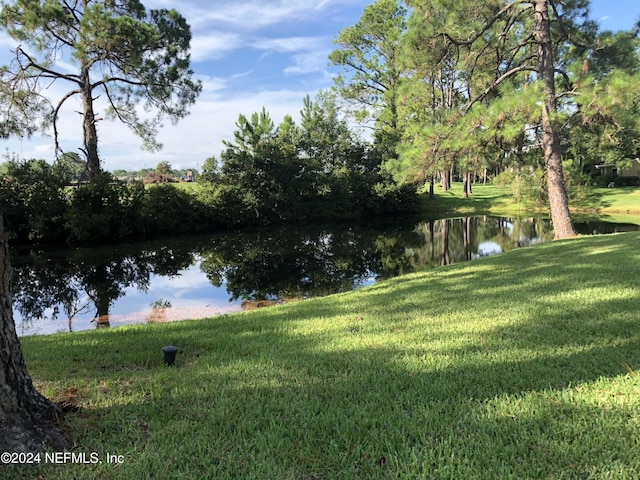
(522, 365)
(621, 204)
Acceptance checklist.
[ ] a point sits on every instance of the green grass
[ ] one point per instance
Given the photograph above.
(610, 203)
(485, 199)
(189, 187)
(620, 200)
(522, 365)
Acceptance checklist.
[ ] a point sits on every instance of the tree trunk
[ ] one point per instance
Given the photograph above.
(466, 186)
(444, 256)
(89, 130)
(466, 234)
(558, 199)
(28, 421)
(446, 180)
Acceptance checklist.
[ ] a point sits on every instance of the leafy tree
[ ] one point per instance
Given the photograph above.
(163, 168)
(210, 170)
(122, 53)
(257, 171)
(333, 155)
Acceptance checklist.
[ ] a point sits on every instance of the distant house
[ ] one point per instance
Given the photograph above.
(610, 169)
(632, 171)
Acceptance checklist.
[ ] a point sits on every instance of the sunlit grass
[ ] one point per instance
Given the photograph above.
(522, 365)
(620, 200)
(620, 205)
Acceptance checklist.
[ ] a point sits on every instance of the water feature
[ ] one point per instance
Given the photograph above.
(196, 277)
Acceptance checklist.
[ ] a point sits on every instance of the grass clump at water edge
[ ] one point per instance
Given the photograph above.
(522, 365)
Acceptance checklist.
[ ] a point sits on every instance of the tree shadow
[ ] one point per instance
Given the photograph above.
(589, 199)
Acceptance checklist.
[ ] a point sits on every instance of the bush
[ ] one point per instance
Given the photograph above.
(32, 201)
(617, 181)
(168, 210)
(105, 211)
(527, 186)
(389, 198)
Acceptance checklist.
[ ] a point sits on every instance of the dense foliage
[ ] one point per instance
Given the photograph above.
(39, 206)
(319, 170)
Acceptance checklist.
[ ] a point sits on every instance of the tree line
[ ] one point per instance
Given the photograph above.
(319, 170)
(529, 88)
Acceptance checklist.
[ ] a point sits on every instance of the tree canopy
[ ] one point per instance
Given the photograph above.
(495, 84)
(123, 55)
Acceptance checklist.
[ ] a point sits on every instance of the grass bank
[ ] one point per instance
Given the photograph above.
(616, 204)
(522, 365)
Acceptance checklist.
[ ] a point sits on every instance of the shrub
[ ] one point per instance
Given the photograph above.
(617, 181)
(168, 210)
(32, 201)
(105, 210)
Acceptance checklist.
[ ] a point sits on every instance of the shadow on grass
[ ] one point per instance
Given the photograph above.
(406, 382)
(588, 199)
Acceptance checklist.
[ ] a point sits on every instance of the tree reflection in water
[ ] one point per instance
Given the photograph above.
(258, 268)
(88, 279)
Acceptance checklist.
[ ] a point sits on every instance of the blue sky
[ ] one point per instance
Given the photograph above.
(249, 54)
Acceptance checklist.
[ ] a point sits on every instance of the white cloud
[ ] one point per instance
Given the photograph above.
(309, 62)
(44, 149)
(248, 15)
(213, 45)
(290, 44)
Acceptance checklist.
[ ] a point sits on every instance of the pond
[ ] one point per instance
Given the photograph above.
(196, 277)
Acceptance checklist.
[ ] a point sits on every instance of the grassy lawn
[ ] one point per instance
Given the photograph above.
(522, 365)
(620, 200)
(616, 204)
(189, 187)
(485, 199)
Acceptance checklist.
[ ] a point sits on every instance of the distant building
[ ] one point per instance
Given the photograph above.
(610, 169)
(632, 171)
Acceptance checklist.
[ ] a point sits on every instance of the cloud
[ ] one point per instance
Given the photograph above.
(289, 44)
(309, 62)
(308, 54)
(248, 15)
(213, 45)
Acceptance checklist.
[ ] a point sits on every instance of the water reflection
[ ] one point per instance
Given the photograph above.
(202, 276)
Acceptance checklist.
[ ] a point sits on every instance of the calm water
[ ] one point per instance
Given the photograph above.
(197, 277)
